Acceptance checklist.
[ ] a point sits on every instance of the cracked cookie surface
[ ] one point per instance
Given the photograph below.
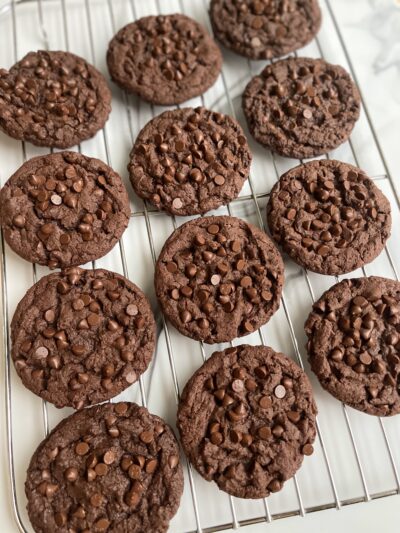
(53, 99)
(189, 161)
(353, 343)
(63, 209)
(80, 337)
(246, 419)
(301, 107)
(113, 467)
(329, 216)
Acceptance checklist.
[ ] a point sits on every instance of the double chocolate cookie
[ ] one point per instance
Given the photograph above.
(329, 216)
(80, 337)
(63, 209)
(263, 30)
(53, 99)
(218, 278)
(189, 161)
(113, 467)
(354, 341)
(165, 59)
(246, 419)
(300, 107)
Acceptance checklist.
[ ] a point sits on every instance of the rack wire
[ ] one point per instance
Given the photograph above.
(340, 472)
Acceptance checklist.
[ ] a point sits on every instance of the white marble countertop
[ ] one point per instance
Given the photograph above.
(371, 32)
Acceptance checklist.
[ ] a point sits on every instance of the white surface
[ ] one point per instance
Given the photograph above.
(371, 30)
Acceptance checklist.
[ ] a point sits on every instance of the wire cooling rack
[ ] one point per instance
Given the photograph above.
(356, 458)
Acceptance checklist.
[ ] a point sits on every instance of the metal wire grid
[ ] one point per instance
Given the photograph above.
(146, 213)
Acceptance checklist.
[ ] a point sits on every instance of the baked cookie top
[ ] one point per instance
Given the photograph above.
(246, 419)
(113, 467)
(80, 337)
(354, 341)
(301, 107)
(218, 278)
(165, 59)
(54, 99)
(329, 216)
(189, 161)
(63, 209)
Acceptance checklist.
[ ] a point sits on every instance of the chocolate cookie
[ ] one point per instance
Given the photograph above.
(329, 216)
(164, 59)
(301, 107)
(246, 419)
(80, 337)
(53, 99)
(63, 209)
(263, 30)
(189, 161)
(354, 342)
(218, 278)
(113, 467)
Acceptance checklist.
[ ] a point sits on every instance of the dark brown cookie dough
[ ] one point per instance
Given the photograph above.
(329, 216)
(80, 336)
(263, 30)
(63, 209)
(354, 342)
(218, 278)
(301, 107)
(189, 161)
(53, 99)
(165, 59)
(246, 419)
(113, 467)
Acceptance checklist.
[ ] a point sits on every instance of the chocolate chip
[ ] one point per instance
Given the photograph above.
(265, 402)
(280, 391)
(146, 437)
(71, 474)
(264, 432)
(41, 352)
(307, 449)
(82, 448)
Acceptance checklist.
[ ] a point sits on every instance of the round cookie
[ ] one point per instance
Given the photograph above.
(80, 337)
(263, 30)
(329, 216)
(218, 278)
(165, 59)
(113, 467)
(354, 342)
(300, 107)
(189, 161)
(246, 420)
(53, 99)
(63, 209)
